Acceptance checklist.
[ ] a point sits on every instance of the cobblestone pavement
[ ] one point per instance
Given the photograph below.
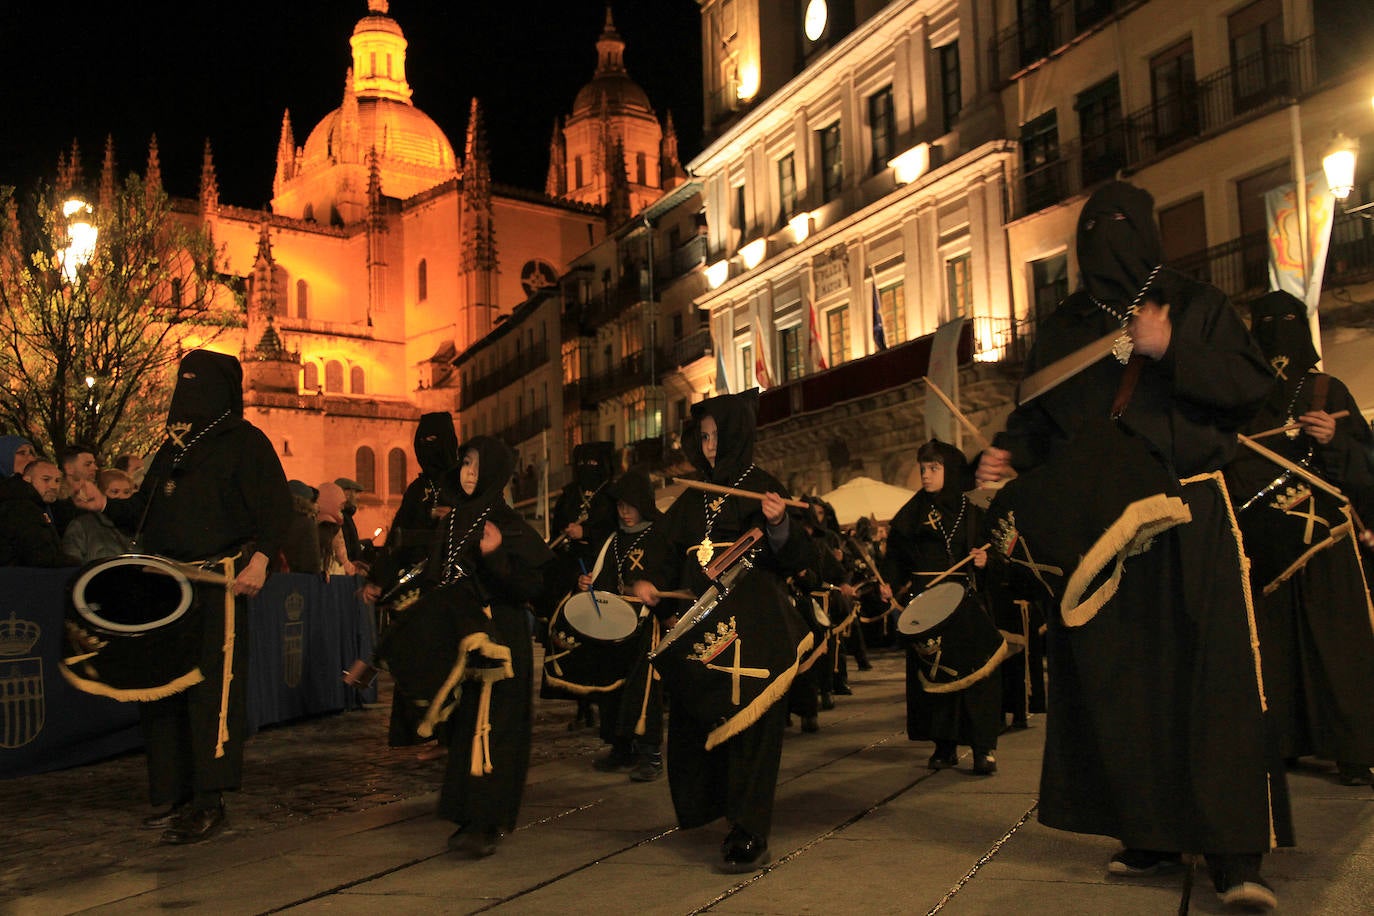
(84, 820)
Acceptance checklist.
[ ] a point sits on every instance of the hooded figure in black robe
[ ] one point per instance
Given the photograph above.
(1155, 731)
(928, 535)
(488, 556)
(738, 778)
(411, 537)
(1315, 626)
(214, 491)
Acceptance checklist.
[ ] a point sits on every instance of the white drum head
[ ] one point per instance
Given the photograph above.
(608, 618)
(132, 593)
(818, 611)
(930, 608)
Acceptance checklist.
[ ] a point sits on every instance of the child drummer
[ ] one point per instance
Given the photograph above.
(936, 529)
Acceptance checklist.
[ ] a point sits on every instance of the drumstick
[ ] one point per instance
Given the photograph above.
(591, 591)
(874, 566)
(952, 569)
(1338, 415)
(1298, 469)
(194, 574)
(735, 491)
(958, 414)
(685, 596)
(558, 540)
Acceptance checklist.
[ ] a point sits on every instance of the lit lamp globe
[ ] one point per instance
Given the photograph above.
(1339, 165)
(81, 237)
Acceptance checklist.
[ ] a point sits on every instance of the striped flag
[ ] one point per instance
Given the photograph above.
(763, 371)
(879, 335)
(817, 351)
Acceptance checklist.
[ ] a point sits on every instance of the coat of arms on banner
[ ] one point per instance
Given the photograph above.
(22, 709)
(293, 639)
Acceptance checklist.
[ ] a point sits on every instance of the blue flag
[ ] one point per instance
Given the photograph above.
(879, 335)
(722, 380)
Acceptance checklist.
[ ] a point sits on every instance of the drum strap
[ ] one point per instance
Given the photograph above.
(1126, 389)
(1321, 385)
(229, 608)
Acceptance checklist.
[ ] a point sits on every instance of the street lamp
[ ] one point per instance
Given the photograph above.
(81, 236)
(1339, 165)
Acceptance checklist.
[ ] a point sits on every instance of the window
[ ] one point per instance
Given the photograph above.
(737, 216)
(1183, 229)
(641, 168)
(959, 286)
(176, 292)
(355, 380)
(372, 63)
(1173, 92)
(789, 347)
(311, 382)
(882, 129)
(365, 469)
(787, 187)
(951, 86)
(1256, 34)
(302, 299)
(1087, 13)
(1034, 21)
(333, 377)
(396, 477)
(832, 165)
(388, 66)
(422, 281)
(837, 335)
(1049, 285)
(892, 306)
(577, 172)
(1099, 126)
(1042, 172)
(749, 379)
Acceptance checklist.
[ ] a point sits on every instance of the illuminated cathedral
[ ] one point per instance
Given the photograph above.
(387, 252)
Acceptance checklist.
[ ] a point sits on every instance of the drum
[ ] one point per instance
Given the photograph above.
(592, 643)
(953, 637)
(436, 644)
(732, 655)
(134, 628)
(1284, 524)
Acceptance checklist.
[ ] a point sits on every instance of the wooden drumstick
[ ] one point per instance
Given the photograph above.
(1298, 469)
(735, 491)
(685, 596)
(978, 436)
(1338, 415)
(194, 574)
(942, 576)
(874, 566)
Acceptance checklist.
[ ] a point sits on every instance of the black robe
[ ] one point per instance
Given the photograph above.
(1155, 731)
(971, 716)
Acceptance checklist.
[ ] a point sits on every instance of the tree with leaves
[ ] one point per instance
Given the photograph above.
(89, 338)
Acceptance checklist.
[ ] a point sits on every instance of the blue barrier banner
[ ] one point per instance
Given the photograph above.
(303, 633)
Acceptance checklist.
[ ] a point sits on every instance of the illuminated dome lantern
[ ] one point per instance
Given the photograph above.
(327, 179)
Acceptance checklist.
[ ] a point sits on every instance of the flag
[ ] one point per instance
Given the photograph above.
(1285, 246)
(722, 380)
(943, 370)
(817, 351)
(879, 336)
(763, 371)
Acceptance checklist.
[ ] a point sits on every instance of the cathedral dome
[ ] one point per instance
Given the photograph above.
(623, 95)
(402, 135)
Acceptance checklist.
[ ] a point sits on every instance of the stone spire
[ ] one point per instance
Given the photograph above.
(556, 184)
(262, 303)
(610, 49)
(618, 184)
(69, 172)
(108, 177)
(346, 148)
(152, 176)
(480, 253)
(376, 239)
(375, 215)
(286, 154)
(671, 172)
(209, 185)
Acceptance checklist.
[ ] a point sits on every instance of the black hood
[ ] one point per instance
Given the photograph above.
(1279, 322)
(1118, 242)
(209, 392)
(958, 471)
(593, 463)
(736, 417)
(495, 465)
(436, 444)
(636, 488)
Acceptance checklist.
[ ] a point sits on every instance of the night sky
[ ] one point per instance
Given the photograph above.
(187, 70)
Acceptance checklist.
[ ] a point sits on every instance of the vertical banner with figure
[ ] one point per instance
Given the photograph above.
(944, 372)
(1286, 267)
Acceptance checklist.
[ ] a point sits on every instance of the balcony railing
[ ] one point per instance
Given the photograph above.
(1351, 256)
(683, 259)
(484, 386)
(692, 347)
(631, 372)
(1051, 26)
(527, 427)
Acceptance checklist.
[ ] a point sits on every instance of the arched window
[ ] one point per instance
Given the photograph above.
(333, 377)
(422, 281)
(312, 378)
(366, 469)
(355, 380)
(396, 478)
(302, 299)
(308, 214)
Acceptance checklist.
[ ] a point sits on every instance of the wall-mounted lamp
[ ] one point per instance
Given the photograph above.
(748, 82)
(717, 273)
(751, 255)
(800, 226)
(912, 164)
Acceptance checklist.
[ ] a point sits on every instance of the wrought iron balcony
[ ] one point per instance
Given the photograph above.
(527, 427)
(692, 347)
(1049, 27)
(483, 386)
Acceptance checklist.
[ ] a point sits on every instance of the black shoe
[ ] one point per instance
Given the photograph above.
(195, 825)
(810, 725)
(865, 666)
(163, 819)
(616, 760)
(1019, 723)
(984, 764)
(827, 702)
(743, 853)
(943, 759)
(1350, 774)
(649, 768)
(1253, 896)
(474, 842)
(1142, 863)
(842, 690)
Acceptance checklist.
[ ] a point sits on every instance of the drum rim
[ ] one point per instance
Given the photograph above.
(610, 601)
(934, 589)
(134, 559)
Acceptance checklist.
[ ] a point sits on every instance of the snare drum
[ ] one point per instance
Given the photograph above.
(731, 656)
(1285, 524)
(134, 629)
(955, 641)
(591, 643)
